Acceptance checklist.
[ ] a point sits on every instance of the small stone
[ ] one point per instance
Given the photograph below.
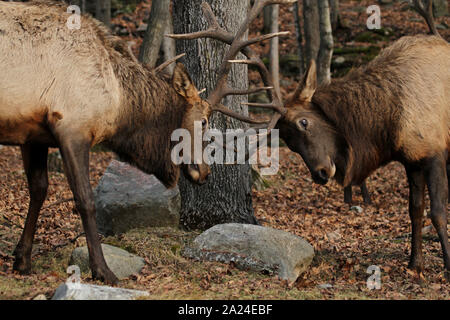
(334, 235)
(339, 60)
(40, 297)
(325, 286)
(357, 209)
(122, 263)
(79, 291)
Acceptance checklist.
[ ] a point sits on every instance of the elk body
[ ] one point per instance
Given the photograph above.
(73, 89)
(397, 108)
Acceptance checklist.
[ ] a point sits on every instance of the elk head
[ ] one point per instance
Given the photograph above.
(307, 132)
(196, 111)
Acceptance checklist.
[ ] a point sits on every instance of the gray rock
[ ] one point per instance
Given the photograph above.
(357, 209)
(254, 247)
(121, 262)
(127, 198)
(40, 297)
(79, 291)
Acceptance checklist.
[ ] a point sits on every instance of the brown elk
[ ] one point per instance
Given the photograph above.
(397, 108)
(76, 88)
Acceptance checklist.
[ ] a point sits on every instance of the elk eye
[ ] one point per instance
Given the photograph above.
(304, 123)
(204, 123)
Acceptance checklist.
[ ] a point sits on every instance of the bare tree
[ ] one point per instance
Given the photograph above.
(227, 196)
(103, 11)
(275, 48)
(157, 25)
(326, 43)
(299, 34)
(334, 12)
(168, 44)
(311, 26)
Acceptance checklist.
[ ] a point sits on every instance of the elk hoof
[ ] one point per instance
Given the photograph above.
(416, 265)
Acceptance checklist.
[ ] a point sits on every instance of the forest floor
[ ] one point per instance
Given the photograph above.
(346, 242)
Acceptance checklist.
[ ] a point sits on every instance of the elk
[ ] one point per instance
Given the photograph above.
(396, 108)
(73, 89)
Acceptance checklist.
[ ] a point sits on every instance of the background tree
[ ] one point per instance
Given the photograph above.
(103, 11)
(311, 27)
(326, 43)
(157, 25)
(227, 196)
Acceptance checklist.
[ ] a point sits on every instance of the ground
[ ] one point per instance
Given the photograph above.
(346, 242)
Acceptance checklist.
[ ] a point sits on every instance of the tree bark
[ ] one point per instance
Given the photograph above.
(157, 24)
(168, 44)
(267, 14)
(334, 12)
(275, 49)
(103, 11)
(298, 32)
(227, 196)
(326, 43)
(312, 33)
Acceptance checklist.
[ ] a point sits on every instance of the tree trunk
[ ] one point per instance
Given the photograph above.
(103, 11)
(227, 196)
(168, 44)
(157, 24)
(298, 31)
(312, 33)
(267, 14)
(326, 43)
(334, 12)
(275, 49)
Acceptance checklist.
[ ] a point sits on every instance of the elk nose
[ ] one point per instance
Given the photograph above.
(323, 174)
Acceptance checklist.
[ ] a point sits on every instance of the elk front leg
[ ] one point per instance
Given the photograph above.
(365, 193)
(35, 164)
(436, 177)
(76, 163)
(416, 182)
(348, 195)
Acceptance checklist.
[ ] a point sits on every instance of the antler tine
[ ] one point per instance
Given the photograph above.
(237, 44)
(168, 62)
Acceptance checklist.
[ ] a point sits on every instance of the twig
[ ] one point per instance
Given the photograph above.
(57, 203)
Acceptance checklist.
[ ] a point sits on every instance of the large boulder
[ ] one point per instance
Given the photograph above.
(121, 262)
(127, 198)
(254, 247)
(79, 291)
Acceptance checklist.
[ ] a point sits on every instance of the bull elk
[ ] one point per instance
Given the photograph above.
(396, 108)
(73, 89)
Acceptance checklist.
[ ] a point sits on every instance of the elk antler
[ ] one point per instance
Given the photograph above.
(426, 11)
(238, 44)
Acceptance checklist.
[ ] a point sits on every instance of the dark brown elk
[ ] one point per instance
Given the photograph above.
(76, 88)
(73, 89)
(397, 108)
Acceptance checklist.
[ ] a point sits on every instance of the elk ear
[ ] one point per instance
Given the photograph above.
(182, 82)
(308, 86)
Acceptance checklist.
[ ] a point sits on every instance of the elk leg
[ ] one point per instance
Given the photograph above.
(35, 164)
(416, 182)
(348, 196)
(365, 193)
(76, 163)
(448, 179)
(436, 176)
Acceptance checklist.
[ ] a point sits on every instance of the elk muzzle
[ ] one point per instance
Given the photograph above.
(324, 172)
(197, 173)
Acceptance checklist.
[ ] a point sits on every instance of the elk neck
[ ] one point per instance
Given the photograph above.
(363, 109)
(151, 110)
